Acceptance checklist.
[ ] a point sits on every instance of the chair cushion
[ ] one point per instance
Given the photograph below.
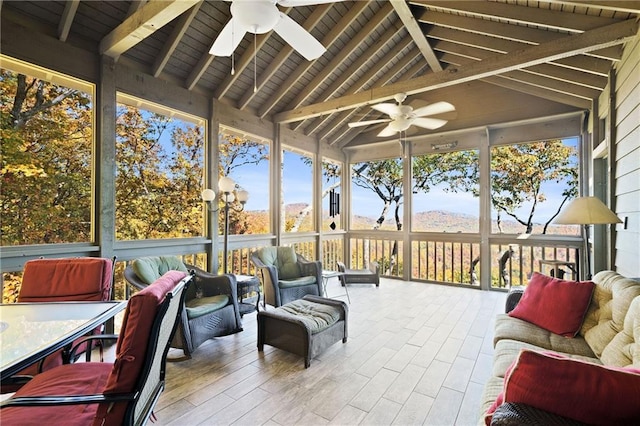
(624, 348)
(68, 379)
(149, 269)
(288, 263)
(315, 316)
(297, 282)
(198, 307)
(555, 305)
(68, 279)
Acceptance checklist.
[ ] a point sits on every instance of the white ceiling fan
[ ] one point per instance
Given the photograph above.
(401, 117)
(261, 16)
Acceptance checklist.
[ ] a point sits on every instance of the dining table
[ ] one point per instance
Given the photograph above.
(31, 331)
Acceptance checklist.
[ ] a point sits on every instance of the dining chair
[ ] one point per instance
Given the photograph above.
(61, 280)
(102, 393)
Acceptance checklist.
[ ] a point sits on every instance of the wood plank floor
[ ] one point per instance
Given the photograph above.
(416, 354)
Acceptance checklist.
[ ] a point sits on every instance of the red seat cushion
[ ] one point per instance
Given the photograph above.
(70, 379)
(69, 279)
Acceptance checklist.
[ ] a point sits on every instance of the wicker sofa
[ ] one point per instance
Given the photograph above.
(609, 336)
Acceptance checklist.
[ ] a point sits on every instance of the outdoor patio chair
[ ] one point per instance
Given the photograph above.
(286, 275)
(211, 303)
(102, 393)
(61, 280)
(360, 276)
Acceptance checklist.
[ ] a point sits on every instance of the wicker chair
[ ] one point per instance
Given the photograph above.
(286, 275)
(211, 303)
(360, 276)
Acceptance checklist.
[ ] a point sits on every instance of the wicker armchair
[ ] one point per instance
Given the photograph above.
(286, 275)
(211, 303)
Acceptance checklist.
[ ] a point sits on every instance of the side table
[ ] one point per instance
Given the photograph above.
(246, 284)
(326, 275)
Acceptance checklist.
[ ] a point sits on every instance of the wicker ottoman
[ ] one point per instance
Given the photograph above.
(304, 327)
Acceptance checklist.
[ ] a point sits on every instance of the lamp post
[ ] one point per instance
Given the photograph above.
(226, 186)
(586, 211)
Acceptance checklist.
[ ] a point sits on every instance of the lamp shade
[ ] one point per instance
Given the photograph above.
(243, 196)
(586, 211)
(208, 195)
(226, 184)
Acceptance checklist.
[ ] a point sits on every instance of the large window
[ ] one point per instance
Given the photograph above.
(297, 191)
(245, 159)
(47, 156)
(445, 192)
(376, 195)
(530, 183)
(159, 159)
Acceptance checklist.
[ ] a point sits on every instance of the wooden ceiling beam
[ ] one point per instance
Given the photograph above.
(141, 24)
(330, 68)
(538, 91)
(413, 27)
(501, 30)
(499, 64)
(551, 19)
(174, 39)
(362, 82)
(629, 6)
(316, 16)
(366, 56)
(198, 70)
(70, 8)
(550, 70)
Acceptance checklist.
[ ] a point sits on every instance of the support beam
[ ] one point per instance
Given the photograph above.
(571, 45)
(144, 22)
(406, 16)
(70, 8)
(629, 6)
(174, 39)
(197, 71)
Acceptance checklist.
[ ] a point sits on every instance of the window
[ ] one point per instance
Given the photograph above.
(376, 195)
(245, 159)
(297, 191)
(159, 171)
(47, 156)
(530, 183)
(445, 192)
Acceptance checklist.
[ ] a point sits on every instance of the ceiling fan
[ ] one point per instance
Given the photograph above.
(401, 117)
(261, 16)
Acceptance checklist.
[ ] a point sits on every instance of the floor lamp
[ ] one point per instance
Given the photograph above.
(586, 211)
(227, 187)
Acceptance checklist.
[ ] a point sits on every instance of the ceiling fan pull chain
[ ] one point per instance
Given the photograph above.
(255, 64)
(233, 54)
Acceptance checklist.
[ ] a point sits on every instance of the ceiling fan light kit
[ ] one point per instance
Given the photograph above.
(401, 117)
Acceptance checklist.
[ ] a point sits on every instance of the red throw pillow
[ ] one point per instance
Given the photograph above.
(589, 393)
(555, 305)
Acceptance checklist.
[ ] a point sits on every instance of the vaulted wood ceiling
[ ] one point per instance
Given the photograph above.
(466, 52)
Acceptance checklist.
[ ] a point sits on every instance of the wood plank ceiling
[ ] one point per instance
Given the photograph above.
(557, 50)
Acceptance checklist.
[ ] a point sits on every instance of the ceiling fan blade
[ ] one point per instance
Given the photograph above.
(294, 3)
(433, 109)
(228, 39)
(369, 122)
(301, 40)
(429, 123)
(387, 131)
(387, 108)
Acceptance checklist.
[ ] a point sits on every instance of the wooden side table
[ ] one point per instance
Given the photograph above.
(556, 267)
(246, 284)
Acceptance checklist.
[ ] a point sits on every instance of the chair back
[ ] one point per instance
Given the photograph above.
(284, 259)
(149, 322)
(68, 279)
